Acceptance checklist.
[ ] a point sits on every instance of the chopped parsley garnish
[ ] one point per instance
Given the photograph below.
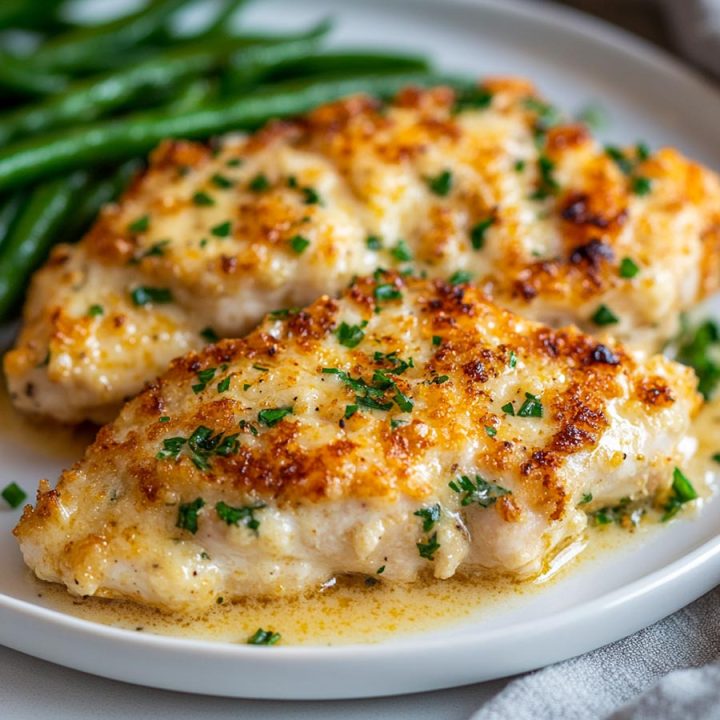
(299, 244)
(201, 446)
(224, 384)
(478, 230)
(547, 115)
(350, 410)
(204, 377)
(157, 249)
(512, 359)
(429, 548)
(626, 514)
(202, 199)
(429, 515)
(311, 196)
(586, 498)
(397, 365)
(140, 225)
(490, 430)
(13, 495)
(604, 316)
(144, 295)
(699, 348)
(272, 416)
(439, 380)
(682, 492)
(532, 407)
(480, 492)
(264, 637)
(441, 184)
(547, 185)
(519, 166)
(188, 515)
(209, 334)
(244, 515)
(261, 368)
(642, 151)
(222, 230)
(283, 313)
(641, 185)
(628, 268)
(259, 183)
(716, 457)
(221, 181)
(387, 291)
(403, 401)
(96, 311)
(380, 570)
(477, 98)
(508, 408)
(164, 418)
(373, 396)
(234, 162)
(350, 335)
(625, 164)
(459, 277)
(436, 340)
(401, 252)
(374, 242)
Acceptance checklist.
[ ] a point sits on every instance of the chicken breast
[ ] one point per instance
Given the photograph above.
(409, 428)
(211, 238)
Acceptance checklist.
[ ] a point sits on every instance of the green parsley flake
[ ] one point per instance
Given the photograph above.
(201, 446)
(480, 492)
(490, 430)
(350, 410)
(716, 457)
(202, 199)
(264, 637)
(145, 295)
(477, 232)
(401, 252)
(204, 376)
(682, 492)
(96, 311)
(628, 268)
(439, 380)
(259, 183)
(519, 166)
(430, 516)
(221, 181)
(224, 384)
(387, 291)
(234, 162)
(459, 277)
(210, 335)
(512, 359)
(299, 244)
(244, 515)
(429, 548)
(477, 98)
(699, 347)
(586, 498)
(164, 418)
(350, 335)
(436, 340)
(222, 230)
(641, 185)
(188, 515)
(374, 242)
(140, 225)
(604, 316)
(380, 570)
(532, 407)
(441, 184)
(13, 495)
(272, 416)
(508, 409)
(311, 196)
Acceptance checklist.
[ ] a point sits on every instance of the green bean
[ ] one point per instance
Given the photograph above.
(224, 16)
(25, 14)
(328, 64)
(193, 95)
(37, 158)
(78, 49)
(8, 214)
(17, 77)
(102, 190)
(33, 234)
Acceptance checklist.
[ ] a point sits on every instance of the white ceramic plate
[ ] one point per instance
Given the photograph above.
(575, 61)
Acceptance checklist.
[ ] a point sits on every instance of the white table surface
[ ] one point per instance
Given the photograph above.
(32, 689)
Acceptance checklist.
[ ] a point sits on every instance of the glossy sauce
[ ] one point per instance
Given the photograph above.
(351, 610)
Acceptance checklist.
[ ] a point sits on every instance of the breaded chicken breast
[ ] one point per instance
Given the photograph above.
(211, 238)
(409, 428)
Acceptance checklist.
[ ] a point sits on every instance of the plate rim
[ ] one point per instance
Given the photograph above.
(635, 49)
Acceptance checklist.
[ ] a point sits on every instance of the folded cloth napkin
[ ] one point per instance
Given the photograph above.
(629, 680)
